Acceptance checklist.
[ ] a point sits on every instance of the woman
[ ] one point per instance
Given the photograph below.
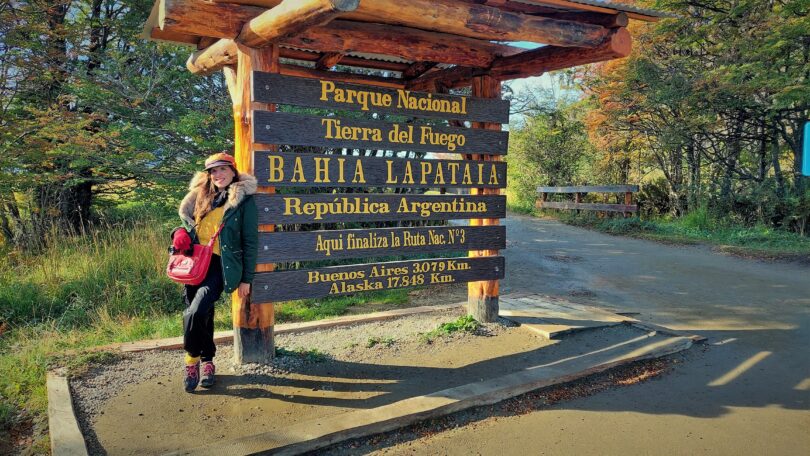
(218, 196)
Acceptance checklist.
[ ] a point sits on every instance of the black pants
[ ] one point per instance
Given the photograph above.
(198, 318)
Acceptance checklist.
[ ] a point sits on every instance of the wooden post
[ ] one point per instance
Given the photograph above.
(482, 297)
(577, 199)
(628, 200)
(252, 322)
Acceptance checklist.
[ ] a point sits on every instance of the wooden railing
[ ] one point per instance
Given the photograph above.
(627, 208)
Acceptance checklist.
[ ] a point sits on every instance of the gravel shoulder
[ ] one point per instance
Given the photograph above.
(135, 404)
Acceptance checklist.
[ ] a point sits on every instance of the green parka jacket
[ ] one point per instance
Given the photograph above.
(239, 239)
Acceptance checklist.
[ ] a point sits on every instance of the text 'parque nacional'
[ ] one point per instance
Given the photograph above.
(319, 93)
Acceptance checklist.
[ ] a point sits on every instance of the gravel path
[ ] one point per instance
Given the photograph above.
(360, 343)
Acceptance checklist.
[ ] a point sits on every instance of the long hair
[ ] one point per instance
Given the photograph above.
(206, 194)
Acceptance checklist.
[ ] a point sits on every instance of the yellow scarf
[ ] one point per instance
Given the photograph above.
(209, 225)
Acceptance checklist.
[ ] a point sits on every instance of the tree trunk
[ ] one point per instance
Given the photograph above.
(693, 162)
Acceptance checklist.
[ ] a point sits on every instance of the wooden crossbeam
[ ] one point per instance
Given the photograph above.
(589, 189)
(530, 63)
(328, 60)
(289, 18)
(605, 20)
(341, 36)
(417, 69)
(409, 44)
(567, 205)
(226, 20)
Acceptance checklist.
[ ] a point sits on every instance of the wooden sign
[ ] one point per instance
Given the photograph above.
(368, 207)
(338, 280)
(328, 131)
(277, 169)
(317, 93)
(335, 244)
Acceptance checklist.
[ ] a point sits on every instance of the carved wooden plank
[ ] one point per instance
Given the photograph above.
(327, 131)
(308, 170)
(338, 280)
(589, 189)
(367, 207)
(274, 88)
(336, 244)
(587, 206)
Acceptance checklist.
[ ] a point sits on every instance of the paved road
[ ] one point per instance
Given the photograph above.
(746, 392)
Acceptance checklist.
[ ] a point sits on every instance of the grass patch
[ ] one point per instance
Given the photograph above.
(464, 324)
(374, 341)
(757, 241)
(318, 309)
(312, 355)
(106, 287)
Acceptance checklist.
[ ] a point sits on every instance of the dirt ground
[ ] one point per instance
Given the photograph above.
(745, 392)
(137, 405)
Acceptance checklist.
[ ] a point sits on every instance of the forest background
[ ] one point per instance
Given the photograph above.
(100, 131)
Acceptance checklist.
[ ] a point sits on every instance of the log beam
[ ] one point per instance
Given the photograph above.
(409, 44)
(605, 20)
(550, 58)
(195, 17)
(530, 63)
(344, 36)
(417, 69)
(200, 67)
(290, 18)
(328, 60)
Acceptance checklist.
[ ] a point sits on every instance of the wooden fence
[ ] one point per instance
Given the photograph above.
(627, 208)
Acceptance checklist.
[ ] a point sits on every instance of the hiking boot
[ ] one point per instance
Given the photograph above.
(208, 370)
(192, 377)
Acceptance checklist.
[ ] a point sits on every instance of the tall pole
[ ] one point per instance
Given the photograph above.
(252, 322)
(482, 296)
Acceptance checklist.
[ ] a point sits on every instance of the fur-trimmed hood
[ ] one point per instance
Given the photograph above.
(237, 192)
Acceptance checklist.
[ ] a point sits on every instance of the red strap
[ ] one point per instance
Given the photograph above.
(214, 238)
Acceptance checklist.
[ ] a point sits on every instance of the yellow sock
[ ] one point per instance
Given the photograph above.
(191, 360)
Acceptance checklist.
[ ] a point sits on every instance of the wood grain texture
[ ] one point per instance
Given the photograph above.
(482, 296)
(452, 17)
(223, 52)
(290, 18)
(360, 243)
(603, 19)
(406, 43)
(368, 207)
(589, 189)
(253, 321)
(327, 131)
(327, 60)
(308, 170)
(274, 88)
(587, 206)
(617, 44)
(339, 280)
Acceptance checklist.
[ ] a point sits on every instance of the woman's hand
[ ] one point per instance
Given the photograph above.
(244, 290)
